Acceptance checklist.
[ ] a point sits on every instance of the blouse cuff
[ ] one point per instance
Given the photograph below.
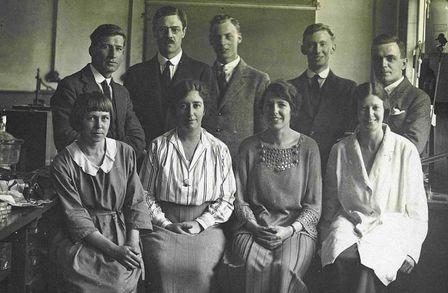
(205, 220)
(309, 219)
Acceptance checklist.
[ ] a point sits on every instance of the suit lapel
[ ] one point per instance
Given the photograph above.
(303, 88)
(397, 95)
(89, 83)
(183, 69)
(236, 83)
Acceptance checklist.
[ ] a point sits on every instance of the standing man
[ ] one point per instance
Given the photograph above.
(327, 109)
(410, 107)
(234, 114)
(149, 81)
(106, 49)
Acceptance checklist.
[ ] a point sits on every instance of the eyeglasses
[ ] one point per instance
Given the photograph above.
(165, 29)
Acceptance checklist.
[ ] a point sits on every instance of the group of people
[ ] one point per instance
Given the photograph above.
(201, 178)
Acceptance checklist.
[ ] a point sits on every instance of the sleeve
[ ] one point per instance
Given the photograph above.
(312, 199)
(259, 123)
(416, 205)
(330, 200)
(221, 209)
(134, 134)
(78, 220)
(148, 175)
(418, 121)
(61, 106)
(243, 212)
(136, 208)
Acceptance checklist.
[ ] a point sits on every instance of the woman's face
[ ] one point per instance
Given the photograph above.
(370, 113)
(94, 126)
(190, 111)
(277, 112)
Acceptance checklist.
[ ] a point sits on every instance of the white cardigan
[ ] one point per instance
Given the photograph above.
(385, 212)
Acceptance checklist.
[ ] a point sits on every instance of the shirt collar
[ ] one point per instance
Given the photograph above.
(99, 78)
(392, 86)
(88, 167)
(229, 67)
(174, 61)
(322, 75)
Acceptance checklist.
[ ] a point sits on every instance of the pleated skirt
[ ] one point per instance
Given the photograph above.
(182, 263)
(249, 267)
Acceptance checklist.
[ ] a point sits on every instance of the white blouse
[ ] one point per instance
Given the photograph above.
(385, 212)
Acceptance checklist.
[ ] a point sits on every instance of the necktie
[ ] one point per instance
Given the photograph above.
(107, 93)
(222, 82)
(166, 74)
(315, 92)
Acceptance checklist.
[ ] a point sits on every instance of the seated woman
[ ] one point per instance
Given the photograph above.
(374, 205)
(103, 203)
(278, 202)
(190, 186)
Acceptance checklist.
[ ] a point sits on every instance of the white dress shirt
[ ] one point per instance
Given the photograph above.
(174, 63)
(229, 67)
(322, 75)
(99, 78)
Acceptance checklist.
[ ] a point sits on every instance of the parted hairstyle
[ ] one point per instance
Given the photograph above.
(364, 90)
(284, 90)
(315, 27)
(169, 10)
(221, 18)
(88, 102)
(181, 89)
(106, 30)
(387, 39)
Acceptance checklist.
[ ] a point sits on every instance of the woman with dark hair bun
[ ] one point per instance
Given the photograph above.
(278, 202)
(190, 187)
(374, 204)
(102, 199)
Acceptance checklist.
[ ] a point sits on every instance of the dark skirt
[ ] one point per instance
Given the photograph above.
(182, 263)
(249, 267)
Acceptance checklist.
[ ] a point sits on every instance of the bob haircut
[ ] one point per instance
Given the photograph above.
(106, 30)
(167, 11)
(86, 103)
(364, 90)
(181, 89)
(285, 91)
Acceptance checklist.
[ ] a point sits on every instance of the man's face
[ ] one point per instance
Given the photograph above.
(318, 47)
(169, 33)
(387, 63)
(107, 54)
(224, 39)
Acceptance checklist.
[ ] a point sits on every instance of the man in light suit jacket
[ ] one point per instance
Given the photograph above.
(235, 112)
(149, 81)
(410, 107)
(327, 108)
(106, 51)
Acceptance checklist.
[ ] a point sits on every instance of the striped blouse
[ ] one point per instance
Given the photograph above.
(167, 176)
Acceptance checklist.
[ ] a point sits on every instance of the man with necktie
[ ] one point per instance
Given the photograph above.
(235, 112)
(106, 50)
(410, 107)
(326, 110)
(149, 81)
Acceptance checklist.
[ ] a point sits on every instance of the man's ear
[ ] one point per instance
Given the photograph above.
(184, 31)
(333, 48)
(240, 38)
(405, 61)
(90, 50)
(303, 49)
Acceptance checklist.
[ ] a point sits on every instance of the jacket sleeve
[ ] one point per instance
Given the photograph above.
(133, 131)
(61, 106)
(259, 123)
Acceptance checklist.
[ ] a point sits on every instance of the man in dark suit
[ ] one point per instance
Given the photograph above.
(106, 51)
(149, 81)
(327, 108)
(410, 107)
(234, 113)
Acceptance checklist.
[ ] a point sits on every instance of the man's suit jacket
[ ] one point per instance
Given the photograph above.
(237, 114)
(128, 127)
(143, 82)
(334, 116)
(410, 113)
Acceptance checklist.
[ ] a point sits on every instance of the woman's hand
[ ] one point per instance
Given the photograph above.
(179, 228)
(128, 256)
(265, 236)
(408, 265)
(195, 227)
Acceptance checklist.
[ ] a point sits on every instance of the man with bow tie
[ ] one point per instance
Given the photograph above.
(410, 107)
(235, 112)
(107, 51)
(327, 107)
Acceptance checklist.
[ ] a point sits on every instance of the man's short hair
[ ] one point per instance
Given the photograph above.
(221, 18)
(315, 27)
(106, 30)
(169, 10)
(387, 39)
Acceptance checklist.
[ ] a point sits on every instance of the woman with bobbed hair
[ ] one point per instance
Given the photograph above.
(278, 202)
(95, 177)
(374, 204)
(190, 186)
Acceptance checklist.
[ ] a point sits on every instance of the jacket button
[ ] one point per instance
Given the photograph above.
(218, 129)
(219, 114)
